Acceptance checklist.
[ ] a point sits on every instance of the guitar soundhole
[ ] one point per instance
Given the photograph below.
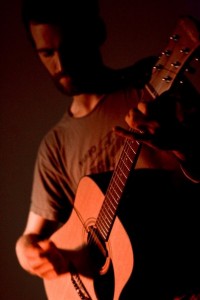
(97, 249)
(104, 275)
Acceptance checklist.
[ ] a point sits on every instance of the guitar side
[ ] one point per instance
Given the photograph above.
(73, 236)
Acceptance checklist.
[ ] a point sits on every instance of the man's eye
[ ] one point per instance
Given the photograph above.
(47, 53)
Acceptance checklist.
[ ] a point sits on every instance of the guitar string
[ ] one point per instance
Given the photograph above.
(111, 203)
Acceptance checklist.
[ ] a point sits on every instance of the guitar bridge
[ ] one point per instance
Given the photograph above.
(78, 285)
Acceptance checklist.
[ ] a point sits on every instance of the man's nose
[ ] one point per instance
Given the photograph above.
(58, 64)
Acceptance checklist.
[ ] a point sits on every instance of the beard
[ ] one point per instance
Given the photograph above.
(66, 85)
(77, 82)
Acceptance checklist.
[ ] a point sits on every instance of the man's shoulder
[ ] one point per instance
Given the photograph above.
(55, 134)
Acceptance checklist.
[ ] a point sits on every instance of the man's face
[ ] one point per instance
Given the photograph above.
(67, 63)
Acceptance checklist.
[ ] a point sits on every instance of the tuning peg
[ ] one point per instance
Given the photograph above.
(185, 50)
(158, 67)
(167, 52)
(176, 64)
(167, 78)
(190, 69)
(175, 37)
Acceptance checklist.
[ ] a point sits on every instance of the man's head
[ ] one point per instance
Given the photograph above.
(79, 19)
(67, 36)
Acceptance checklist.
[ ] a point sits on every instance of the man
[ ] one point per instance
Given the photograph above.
(162, 227)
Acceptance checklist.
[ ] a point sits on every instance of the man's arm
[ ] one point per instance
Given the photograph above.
(35, 252)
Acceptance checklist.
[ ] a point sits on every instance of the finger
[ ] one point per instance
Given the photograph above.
(33, 252)
(142, 107)
(45, 271)
(46, 245)
(51, 274)
(41, 267)
(37, 262)
(132, 134)
(133, 117)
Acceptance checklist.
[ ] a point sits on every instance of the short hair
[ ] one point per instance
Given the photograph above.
(80, 17)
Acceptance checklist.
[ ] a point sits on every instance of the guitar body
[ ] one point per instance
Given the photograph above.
(73, 235)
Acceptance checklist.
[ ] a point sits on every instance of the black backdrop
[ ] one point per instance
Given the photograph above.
(30, 105)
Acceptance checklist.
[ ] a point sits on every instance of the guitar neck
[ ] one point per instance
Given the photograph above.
(180, 51)
(182, 44)
(126, 163)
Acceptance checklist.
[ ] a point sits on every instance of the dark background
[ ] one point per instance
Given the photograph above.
(30, 105)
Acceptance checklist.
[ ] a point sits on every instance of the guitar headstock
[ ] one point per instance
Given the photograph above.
(183, 47)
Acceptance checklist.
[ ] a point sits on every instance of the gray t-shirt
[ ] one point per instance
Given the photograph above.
(76, 147)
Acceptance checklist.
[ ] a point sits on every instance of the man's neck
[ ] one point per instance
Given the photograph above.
(83, 104)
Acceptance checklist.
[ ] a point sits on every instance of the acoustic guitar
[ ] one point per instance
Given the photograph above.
(103, 250)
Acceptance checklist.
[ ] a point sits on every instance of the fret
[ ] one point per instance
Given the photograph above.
(118, 181)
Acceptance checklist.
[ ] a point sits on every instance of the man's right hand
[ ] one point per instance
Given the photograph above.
(41, 258)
